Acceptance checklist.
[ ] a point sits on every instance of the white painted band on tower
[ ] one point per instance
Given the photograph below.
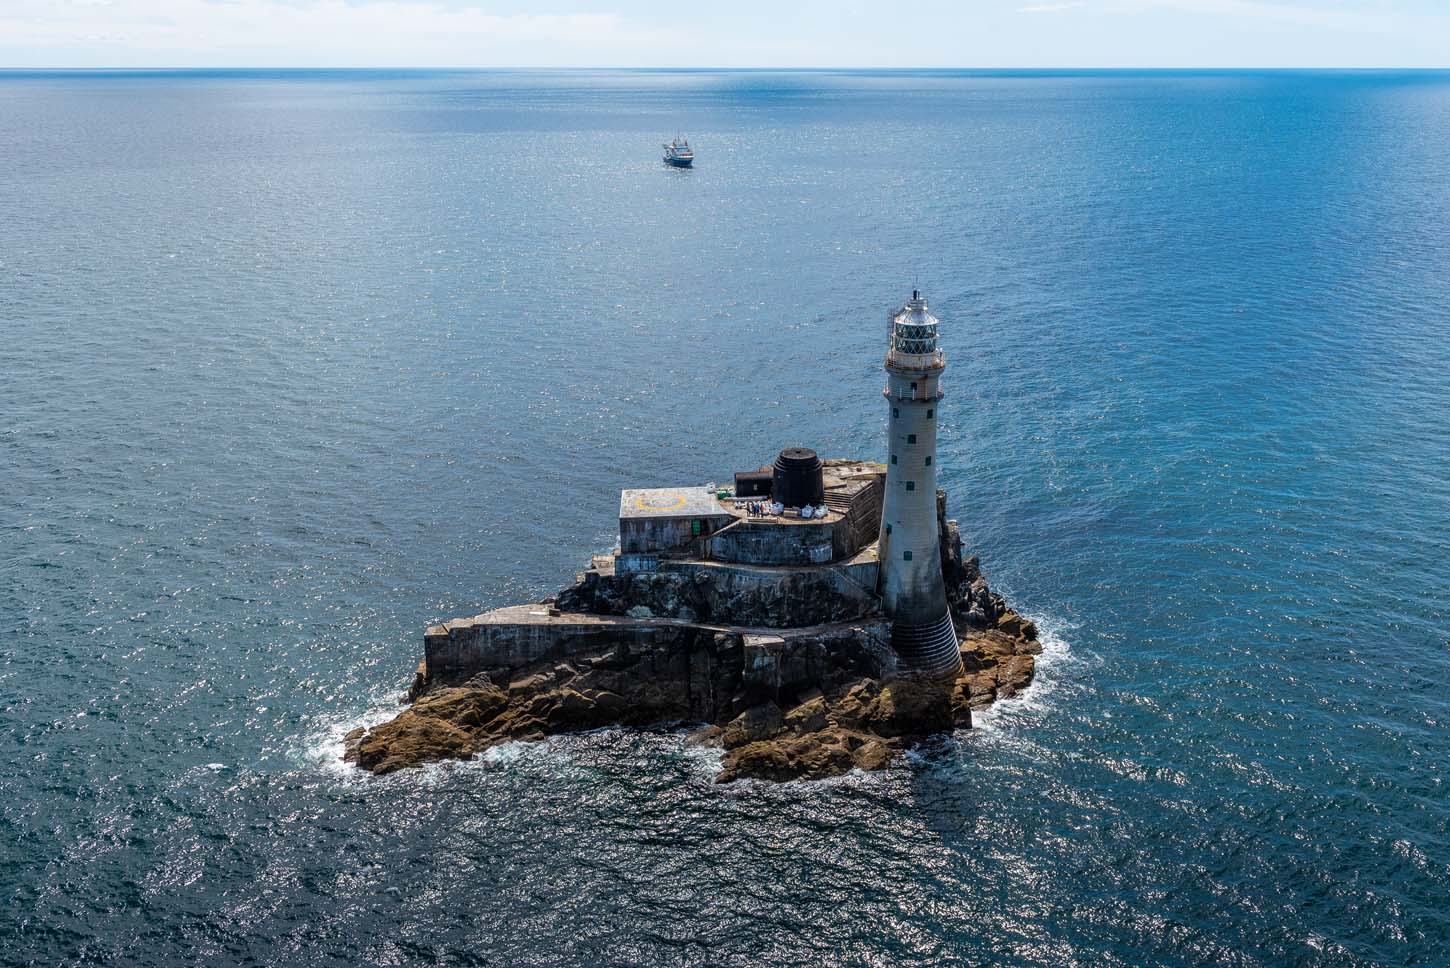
(912, 591)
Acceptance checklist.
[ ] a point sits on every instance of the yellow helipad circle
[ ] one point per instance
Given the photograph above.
(660, 502)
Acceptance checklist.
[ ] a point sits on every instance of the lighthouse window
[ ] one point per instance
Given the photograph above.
(906, 556)
(888, 529)
(911, 438)
(928, 462)
(911, 485)
(930, 412)
(895, 411)
(893, 458)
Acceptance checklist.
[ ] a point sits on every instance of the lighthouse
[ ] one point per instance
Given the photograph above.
(912, 591)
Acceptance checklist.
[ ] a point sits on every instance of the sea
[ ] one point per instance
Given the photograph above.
(293, 364)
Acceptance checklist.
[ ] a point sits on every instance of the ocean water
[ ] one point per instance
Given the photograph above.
(292, 365)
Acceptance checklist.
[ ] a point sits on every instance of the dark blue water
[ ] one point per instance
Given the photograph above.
(293, 365)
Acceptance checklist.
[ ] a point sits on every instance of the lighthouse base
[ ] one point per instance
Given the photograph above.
(930, 648)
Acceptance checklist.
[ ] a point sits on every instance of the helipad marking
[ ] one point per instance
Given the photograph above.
(656, 503)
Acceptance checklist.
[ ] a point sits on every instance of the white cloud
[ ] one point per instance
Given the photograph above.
(319, 32)
(749, 33)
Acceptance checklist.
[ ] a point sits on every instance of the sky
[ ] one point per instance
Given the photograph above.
(732, 33)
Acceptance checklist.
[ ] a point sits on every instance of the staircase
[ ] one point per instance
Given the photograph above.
(860, 505)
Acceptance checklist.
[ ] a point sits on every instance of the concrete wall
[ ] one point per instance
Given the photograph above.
(626, 563)
(783, 662)
(861, 503)
(769, 543)
(764, 597)
(665, 534)
(731, 594)
(508, 638)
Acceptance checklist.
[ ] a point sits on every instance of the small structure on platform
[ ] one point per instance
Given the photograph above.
(797, 480)
(812, 513)
(754, 483)
(657, 520)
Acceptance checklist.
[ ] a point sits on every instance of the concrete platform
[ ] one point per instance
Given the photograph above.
(669, 502)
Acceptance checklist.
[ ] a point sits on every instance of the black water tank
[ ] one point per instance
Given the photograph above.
(798, 480)
(754, 483)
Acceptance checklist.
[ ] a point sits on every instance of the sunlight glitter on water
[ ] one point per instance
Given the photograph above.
(295, 364)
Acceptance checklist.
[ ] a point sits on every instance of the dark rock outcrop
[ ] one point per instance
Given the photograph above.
(974, 605)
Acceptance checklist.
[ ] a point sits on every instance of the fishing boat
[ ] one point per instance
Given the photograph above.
(679, 153)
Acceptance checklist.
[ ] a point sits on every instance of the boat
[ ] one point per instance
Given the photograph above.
(679, 153)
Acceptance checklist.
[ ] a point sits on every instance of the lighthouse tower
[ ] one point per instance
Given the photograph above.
(912, 590)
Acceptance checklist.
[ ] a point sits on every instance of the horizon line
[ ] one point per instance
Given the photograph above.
(172, 68)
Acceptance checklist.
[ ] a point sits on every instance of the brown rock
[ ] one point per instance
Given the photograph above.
(981, 689)
(824, 753)
(848, 710)
(466, 707)
(412, 740)
(756, 723)
(1016, 626)
(828, 752)
(566, 709)
(809, 716)
(909, 707)
(992, 644)
(531, 685)
(705, 736)
(997, 664)
(962, 703)
(350, 744)
(1015, 674)
(874, 754)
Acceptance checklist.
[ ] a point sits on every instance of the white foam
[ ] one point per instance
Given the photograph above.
(323, 748)
(702, 761)
(507, 754)
(1054, 673)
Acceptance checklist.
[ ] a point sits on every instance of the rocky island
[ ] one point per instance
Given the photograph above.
(816, 617)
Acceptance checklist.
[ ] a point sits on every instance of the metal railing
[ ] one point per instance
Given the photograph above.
(925, 361)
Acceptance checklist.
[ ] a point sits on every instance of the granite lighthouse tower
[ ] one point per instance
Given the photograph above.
(912, 591)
